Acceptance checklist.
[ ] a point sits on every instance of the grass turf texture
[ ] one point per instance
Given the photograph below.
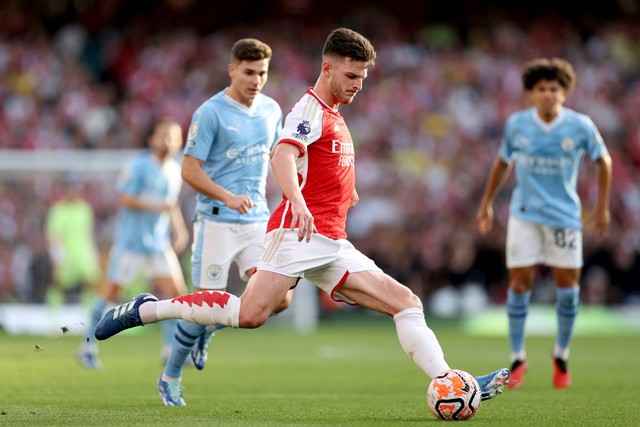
(348, 373)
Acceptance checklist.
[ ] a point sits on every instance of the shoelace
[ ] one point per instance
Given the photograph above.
(204, 342)
(175, 390)
(487, 389)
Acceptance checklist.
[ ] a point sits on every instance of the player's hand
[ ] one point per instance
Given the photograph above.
(484, 220)
(162, 207)
(600, 221)
(240, 203)
(302, 219)
(180, 243)
(354, 199)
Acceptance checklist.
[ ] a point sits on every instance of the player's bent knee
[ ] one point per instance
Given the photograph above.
(413, 301)
(407, 299)
(518, 287)
(253, 320)
(282, 306)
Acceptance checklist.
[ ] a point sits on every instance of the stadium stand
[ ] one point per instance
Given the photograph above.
(91, 75)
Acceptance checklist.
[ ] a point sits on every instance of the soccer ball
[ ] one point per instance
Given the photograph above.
(454, 395)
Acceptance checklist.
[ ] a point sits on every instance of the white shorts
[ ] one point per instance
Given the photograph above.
(216, 245)
(125, 266)
(529, 244)
(324, 262)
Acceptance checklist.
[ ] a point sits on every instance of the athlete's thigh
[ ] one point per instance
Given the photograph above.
(250, 243)
(563, 247)
(522, 279)
(285, 255)
(265, 291)
(566, 277)
(524, 243)
(324, 262)
(378, 291)
(213, 251)
(335, 261)
(166, 273)
(165, 264)
(124, 266)
(354, 278)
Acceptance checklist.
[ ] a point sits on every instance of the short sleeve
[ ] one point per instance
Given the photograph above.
(201, 133)
(595, 143)
(506, 146)
(303, 125)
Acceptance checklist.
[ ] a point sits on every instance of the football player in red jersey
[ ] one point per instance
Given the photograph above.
(313, 162)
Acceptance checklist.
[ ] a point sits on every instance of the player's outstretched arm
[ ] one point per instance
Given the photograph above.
(179, 229)
(601, 216)
(499, 173)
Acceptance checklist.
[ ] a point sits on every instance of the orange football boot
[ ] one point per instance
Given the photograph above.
(518, 369)
(561, 374)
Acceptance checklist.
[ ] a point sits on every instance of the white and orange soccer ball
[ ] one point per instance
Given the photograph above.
(454, 395)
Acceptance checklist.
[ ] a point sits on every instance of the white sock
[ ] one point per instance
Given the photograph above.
(202, 308)
(518, 355)
(419, 342)
(560, 353)
(148, 313)
(168, 379)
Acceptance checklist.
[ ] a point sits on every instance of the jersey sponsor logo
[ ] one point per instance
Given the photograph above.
(346, 161)
(247, 155)
(214, 272)
(345, 149)
(341, 147)
(303, 129)
(543, 165)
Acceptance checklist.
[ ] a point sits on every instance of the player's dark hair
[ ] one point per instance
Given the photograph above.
(154, 125)
(346, 43)
(250, 50)
(549, 69)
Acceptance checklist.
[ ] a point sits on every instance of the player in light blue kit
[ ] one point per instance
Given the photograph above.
(226, 161)
(149, 188)
(546, 144)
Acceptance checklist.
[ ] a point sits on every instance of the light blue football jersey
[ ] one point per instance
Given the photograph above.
(146, 178)
(234, 142)
(547, 159)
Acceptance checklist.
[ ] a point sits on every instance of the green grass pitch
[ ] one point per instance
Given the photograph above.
(348, 373)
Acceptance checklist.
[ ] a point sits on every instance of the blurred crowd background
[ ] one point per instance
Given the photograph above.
(92, 75)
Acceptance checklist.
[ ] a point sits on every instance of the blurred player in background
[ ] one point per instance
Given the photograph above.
(72, 247)
(546, 144)
(313, 162)
(226, 161)
(150, 229)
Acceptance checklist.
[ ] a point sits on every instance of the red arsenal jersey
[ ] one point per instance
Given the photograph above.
(326, 170)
